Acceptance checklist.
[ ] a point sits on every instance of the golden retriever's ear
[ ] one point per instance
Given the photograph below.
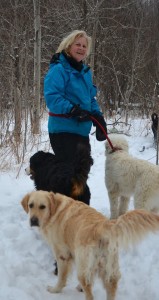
(52, 203)
(24, 203)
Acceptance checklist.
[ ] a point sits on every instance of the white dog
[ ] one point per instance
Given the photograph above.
(127, 176)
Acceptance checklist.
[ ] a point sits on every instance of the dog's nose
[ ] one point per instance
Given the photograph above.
(34, 221)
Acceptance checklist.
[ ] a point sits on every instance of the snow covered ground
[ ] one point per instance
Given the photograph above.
(26, 262)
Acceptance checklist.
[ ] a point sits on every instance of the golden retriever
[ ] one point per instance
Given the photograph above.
(127, 176)
(78, 233)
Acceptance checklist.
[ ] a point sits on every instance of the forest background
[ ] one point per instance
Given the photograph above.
(124, 60)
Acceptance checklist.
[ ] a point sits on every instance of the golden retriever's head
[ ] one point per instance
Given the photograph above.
(118, 142)
(40, 205)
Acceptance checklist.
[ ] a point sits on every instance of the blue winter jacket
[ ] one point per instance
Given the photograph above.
(64, 87)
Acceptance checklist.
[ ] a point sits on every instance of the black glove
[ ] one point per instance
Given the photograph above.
(75, 111)
(82, 115)
(100, 136)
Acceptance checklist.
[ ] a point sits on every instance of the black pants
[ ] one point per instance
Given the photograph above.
(65, 145)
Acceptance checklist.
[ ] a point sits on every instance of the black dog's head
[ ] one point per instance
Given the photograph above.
(37, 161)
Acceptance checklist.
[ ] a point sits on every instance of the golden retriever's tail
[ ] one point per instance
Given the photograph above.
(132, 227)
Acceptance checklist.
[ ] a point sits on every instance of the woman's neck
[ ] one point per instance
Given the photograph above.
(74, 63)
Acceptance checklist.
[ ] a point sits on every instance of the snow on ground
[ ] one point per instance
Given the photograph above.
(26, 262)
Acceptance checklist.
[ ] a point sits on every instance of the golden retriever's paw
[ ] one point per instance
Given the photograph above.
(55, 289)
(79, 288)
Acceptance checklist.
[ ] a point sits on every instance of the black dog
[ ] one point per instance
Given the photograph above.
(50, 174)
(154, 126)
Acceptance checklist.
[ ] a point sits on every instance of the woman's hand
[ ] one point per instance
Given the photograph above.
(81, 114)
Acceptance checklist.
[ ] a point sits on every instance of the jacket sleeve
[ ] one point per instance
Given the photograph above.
(54, 90)
(95, 109)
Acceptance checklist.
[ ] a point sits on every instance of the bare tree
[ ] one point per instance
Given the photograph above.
(37, 69)
(124, 58)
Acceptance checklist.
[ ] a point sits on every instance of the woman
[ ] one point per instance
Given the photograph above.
(70, 96)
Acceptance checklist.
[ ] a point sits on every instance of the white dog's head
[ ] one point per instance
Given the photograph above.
(118, 142)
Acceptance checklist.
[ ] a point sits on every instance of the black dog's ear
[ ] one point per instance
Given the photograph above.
(24, 203)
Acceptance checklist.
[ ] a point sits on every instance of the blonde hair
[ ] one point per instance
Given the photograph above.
(69, 40)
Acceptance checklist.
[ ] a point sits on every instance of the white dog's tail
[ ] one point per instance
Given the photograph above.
(132, 227)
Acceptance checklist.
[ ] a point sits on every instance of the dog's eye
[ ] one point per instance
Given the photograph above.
(31, 205)
(42, 206)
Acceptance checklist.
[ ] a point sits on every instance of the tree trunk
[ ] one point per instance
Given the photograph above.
(37, 68)
(17, 98)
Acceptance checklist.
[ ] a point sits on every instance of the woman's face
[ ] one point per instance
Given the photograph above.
(78, 49)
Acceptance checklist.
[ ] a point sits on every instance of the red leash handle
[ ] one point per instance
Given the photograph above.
(93, 119)
(101, 127)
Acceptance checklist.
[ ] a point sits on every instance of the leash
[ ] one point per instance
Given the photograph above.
(105, 133)
(93, 119)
